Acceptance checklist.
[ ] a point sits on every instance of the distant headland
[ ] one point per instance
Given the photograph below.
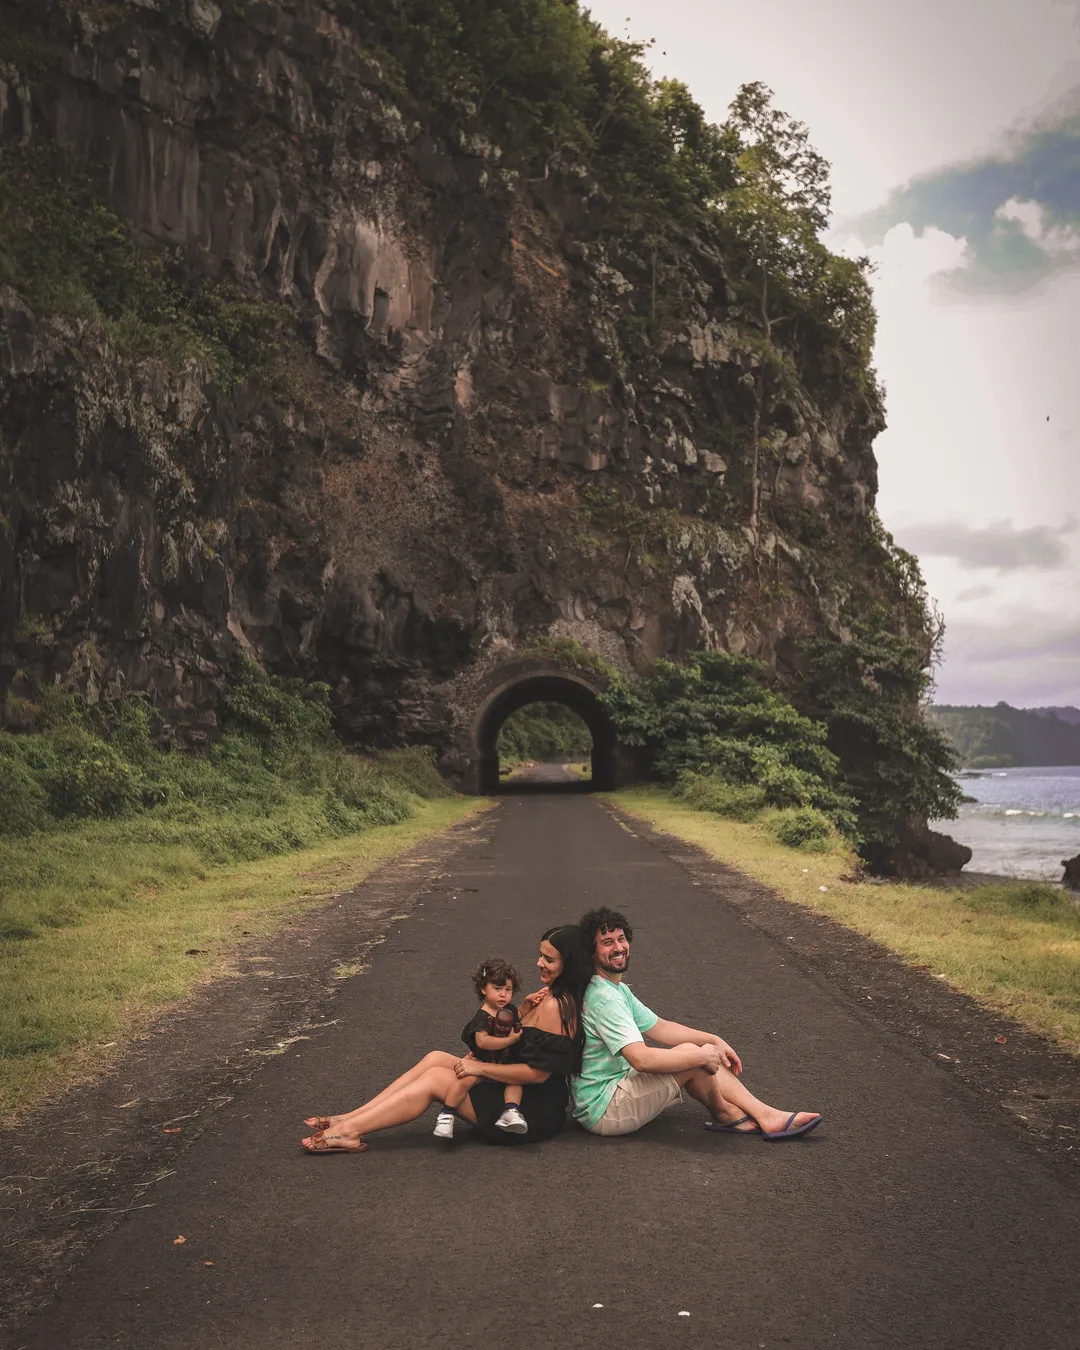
(1006, 737)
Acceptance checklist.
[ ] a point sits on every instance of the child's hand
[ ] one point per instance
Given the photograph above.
(530, 1001)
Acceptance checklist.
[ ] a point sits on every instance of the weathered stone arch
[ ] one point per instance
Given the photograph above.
(522, 682)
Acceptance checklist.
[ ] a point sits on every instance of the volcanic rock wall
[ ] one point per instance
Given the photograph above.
(458, 457)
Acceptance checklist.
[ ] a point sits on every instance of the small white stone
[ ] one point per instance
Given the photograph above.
(823, 888)
(684, 1314)
(598, 1305)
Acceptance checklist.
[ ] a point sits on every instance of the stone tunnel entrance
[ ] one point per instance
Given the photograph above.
(575, 691)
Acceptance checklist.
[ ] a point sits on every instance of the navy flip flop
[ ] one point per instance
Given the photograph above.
(788, 1133)
(733, 1127)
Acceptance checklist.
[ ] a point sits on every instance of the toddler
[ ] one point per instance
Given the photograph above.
(491, 1036)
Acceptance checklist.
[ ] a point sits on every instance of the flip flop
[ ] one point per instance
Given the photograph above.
(733, 1126)
(788, 1133)
(318, 1143)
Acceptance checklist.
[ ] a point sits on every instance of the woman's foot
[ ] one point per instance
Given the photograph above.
(787, 1124)
(321, 1142)
(322, 1122)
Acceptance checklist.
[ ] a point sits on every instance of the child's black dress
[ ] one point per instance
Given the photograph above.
(542, 1104)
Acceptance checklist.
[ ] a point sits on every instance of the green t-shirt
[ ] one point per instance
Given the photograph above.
(613, 1018)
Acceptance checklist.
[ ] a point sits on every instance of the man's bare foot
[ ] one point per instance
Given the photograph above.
(786, 1122)
(733, 1124)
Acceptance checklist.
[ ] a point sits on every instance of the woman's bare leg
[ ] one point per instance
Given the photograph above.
(406, 1104)
(434, 1059)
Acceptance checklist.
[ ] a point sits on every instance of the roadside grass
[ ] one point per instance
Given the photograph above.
(1012, 946)
(118, 906)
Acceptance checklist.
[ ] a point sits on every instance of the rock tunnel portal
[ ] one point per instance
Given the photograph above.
(575, 692)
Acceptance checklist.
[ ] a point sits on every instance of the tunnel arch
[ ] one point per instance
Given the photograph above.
(517, 689)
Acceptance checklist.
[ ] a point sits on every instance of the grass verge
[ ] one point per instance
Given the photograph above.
(1013, 947)
(71, 995)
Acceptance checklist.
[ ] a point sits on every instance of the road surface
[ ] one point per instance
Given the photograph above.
(910, 1218)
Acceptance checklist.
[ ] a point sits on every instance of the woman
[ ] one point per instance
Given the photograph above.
(549, 1050)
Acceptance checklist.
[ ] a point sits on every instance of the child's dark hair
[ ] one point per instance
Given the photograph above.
(495, 971)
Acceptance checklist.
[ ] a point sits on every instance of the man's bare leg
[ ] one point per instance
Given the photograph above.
(727, 1098)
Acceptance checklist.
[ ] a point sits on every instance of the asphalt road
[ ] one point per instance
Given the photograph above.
(911, 1218)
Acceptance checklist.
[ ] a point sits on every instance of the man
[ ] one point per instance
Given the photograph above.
(625, 1083)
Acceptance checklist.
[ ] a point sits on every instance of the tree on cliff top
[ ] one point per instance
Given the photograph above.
(776, 209)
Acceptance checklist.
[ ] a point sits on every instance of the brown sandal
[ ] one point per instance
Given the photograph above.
(318, 1122)
(320, 1143)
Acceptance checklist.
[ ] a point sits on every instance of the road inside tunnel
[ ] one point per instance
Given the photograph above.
(572, 692)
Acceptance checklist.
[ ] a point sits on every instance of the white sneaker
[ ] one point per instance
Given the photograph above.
(444, 1126)
(512, 1121)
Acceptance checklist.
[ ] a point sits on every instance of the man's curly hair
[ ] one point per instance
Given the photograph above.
(495, 971)
(603, 921)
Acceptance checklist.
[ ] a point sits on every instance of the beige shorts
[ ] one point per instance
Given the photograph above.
(639, 1098)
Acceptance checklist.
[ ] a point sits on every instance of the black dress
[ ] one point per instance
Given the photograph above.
(480, 1023)
(542, 1104)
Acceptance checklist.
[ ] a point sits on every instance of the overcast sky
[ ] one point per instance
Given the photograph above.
(953, 128)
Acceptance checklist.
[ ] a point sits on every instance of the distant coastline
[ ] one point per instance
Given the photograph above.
(1004, 737)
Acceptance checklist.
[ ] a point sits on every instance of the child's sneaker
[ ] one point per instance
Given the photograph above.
(444, 1126)
(512, 1121)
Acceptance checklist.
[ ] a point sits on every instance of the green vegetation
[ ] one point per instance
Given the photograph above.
(653, 537)
(1015, 947)
(802, 828)
(551, 91)
(275, 782)
(990, 738)
(121, 862)
(716, 718)
(730, 742)
(69, 255)
(543, 732)
(139, 916)
(568, 652)
(869, 692)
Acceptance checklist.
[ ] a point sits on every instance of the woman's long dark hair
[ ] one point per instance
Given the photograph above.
(568, 988)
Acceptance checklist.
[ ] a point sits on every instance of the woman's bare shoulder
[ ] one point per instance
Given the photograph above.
(548, 1017)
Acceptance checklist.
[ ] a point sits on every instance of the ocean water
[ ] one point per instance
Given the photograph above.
(1023, 821)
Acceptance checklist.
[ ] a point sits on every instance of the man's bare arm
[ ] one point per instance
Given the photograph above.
(674, 1033)
(649, 1059)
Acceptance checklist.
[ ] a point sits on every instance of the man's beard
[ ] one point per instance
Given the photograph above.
(614, 970)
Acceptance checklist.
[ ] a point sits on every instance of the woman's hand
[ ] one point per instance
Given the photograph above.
(468, 1067)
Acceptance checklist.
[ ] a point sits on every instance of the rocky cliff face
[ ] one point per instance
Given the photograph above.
(467, 445)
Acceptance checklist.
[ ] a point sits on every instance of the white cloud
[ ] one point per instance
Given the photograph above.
(998, 545)
(1060, 242)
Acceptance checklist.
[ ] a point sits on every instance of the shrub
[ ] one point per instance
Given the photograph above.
(282, 714)
(413, 767)
(24, 803)
(716, 716)
(358, 785)
(803, 828)
(89, 778)
(706, 792)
